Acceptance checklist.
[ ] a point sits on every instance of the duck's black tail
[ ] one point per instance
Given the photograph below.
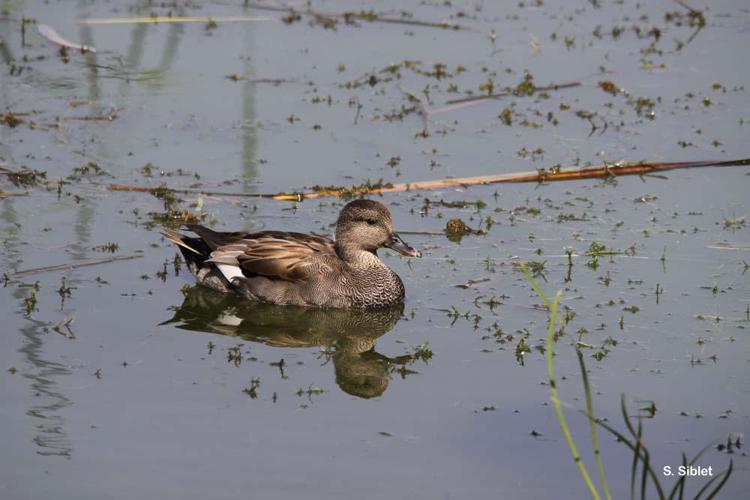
(195, 251)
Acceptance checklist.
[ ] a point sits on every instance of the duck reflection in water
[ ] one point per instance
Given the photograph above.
(349, 334)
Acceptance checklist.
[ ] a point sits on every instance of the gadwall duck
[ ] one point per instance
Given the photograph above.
(302, 269)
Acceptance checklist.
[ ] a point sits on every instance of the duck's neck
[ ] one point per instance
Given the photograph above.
(371, 283)
(358, 257)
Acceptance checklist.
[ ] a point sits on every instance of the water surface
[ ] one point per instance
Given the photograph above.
(160, 390)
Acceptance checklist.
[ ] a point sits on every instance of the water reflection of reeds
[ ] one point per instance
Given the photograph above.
(49, 425)
(97, 70)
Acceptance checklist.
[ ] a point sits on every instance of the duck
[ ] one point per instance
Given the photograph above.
(297, 269)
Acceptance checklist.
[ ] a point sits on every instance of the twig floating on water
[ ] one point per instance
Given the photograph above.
(371, 17)
(100, 118)
(76, 265)
(424, 111)
(274, 81)
(175, 19)
(64, 323)
(423, 233)
(457, 104)
(5, 194)
(546, 88)
(53, 36)
(348, 17)
(157, 190)
(541, 175)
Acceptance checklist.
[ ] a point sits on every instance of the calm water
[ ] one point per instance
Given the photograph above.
(173, 393)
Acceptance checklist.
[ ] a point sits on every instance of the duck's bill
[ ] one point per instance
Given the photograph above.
(400, 246)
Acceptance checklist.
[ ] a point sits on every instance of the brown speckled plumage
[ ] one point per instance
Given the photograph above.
(302, 269)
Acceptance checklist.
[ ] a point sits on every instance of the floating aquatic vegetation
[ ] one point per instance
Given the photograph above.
(346, 193)
(733, 223)
(422, 352)
(455, 229)
(252, 389)
(609, 86)
(64, 292)
(11, 119)
(537, 269)
(30, 301)
(24, 177)
(90, 169)
(234, 355)
(598, 249)
(107, 247)
(62, 327)
(310, 391)
(522, 348)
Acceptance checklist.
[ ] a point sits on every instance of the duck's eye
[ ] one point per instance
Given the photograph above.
(371, 222)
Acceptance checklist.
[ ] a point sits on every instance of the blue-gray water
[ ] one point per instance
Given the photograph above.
(132, 407)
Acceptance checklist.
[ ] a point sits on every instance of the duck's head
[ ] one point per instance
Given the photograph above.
(367, 225)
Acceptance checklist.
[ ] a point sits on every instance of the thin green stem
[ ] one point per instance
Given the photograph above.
(554, 395)
(592, 427)
(536, 287)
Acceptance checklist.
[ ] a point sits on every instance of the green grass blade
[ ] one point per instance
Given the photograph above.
(633, 447)
(634, 467)
(724, 478)
(536, 286)
(646, 461)
(592, 427)
(703, 450)
(554, 395)
(681, 482)
(679, 487)
(638, 435)
(625, 416)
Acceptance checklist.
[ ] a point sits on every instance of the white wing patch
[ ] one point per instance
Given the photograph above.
(230, 272)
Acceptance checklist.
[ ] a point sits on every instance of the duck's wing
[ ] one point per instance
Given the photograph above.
(273, 254)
